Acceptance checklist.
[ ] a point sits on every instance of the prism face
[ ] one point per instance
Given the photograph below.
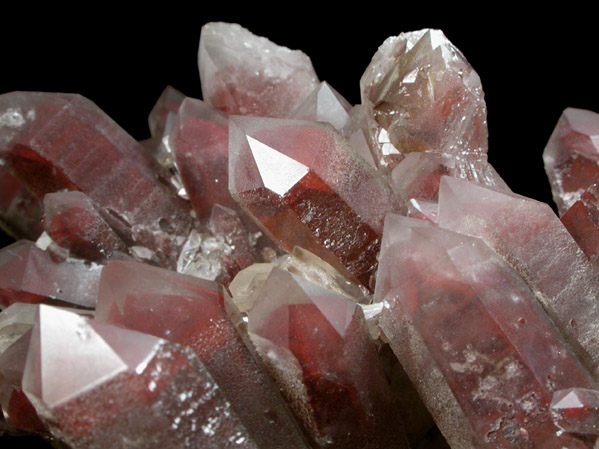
(487, 376)
(190, 311)
(245, 74)
(582, 222)
(311, 204)
(309, 335)
(75, 146)
(28, 274)
(572, 156)
(423, 92)
(576, 410)
(526, 233)
(168, 104)
(200, 143)
(72, 221)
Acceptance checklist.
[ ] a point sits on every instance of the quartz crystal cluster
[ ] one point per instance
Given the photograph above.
(277, 268)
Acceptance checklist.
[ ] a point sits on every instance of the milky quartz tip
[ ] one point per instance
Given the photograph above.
(245, 74)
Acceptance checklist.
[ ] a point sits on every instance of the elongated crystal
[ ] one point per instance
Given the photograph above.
(531, 238)
(482, 353)
(191, 312)
(61, 141)
(299, 181)
(317, 347)
(245, 74)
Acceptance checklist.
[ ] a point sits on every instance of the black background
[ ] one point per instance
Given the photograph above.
(532, 65)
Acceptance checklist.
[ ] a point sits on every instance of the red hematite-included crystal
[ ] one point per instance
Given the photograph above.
(115, 386)
(72, 221)
(299, 181)
(200, 143)
(572, 156)
(484, 356)
(20, 211)
(317, 347)
(191, 312)
(59, 141)
(531, 238)
(582, 222)
(29, 274)
(576, 410)
(245, 74)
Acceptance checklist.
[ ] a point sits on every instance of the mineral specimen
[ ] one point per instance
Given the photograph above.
(475, 342)
(423, 96)
(298, 179)
(191, 312)
(576, 410)
(528, 235)
(317, 347)
(59, 141)
(572, 156)
(116, 387)
(245, 74)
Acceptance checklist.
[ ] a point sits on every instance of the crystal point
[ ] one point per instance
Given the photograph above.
(576, 410)
(245, 74)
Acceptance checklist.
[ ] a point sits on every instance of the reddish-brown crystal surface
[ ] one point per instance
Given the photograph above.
(582, 222)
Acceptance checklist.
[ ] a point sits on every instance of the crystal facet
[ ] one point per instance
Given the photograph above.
(298, 179)
(479, 348)
(245, 74)
(576, 410)
(582, 222)
(572, 156)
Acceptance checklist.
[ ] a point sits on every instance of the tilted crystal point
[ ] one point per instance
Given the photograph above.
(200, 143)
(114, 386)
(167, 106)
(582, 222)
(73, 222)
(572, 156)
(29, 274)
(576, 410)
(299, 181)
(53, 142)
(481, 351)
(317, 347)
(531, 238)
(191, 312)
(20, 211)
(245, 74)
(425, 95)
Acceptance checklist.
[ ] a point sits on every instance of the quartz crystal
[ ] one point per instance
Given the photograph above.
(530, 237)
(298, 179)
(61, 141)
(472, 337)
(317, 347)
(191, 312)
(572, 156)
(425, 95)
(29, 274)
(245, 74)
(164, 111)
(115, 387)
(582, 222)
(576, 410)
(73, 222)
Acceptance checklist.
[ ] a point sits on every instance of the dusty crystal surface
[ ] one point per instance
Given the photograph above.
(318, 349)
(531, 238)
(298, 179)
(423, 96)
(245, 74)
(576, 410)
(572, 156)
(115, 386)
(482, 353)
(63, 141)
(191, 312)
(29, 274)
